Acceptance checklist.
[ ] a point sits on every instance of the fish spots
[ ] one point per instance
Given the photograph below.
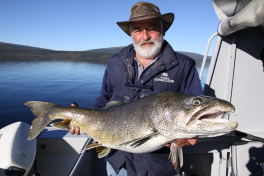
(165, 103)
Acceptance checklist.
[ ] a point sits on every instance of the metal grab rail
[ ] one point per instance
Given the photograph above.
(205, 55)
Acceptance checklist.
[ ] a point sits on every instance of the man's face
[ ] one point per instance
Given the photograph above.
(147, 36)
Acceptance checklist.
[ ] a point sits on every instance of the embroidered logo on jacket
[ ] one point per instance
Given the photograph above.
(164, 74)
(164, 78)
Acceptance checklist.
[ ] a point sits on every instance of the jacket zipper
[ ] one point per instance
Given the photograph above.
(129, 78)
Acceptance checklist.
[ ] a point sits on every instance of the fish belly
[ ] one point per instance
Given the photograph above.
(150, 145)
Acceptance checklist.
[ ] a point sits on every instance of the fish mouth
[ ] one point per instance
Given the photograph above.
(211, 115)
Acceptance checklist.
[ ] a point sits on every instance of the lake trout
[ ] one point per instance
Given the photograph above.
(142, 126)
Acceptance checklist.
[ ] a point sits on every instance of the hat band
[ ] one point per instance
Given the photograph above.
(144, 16)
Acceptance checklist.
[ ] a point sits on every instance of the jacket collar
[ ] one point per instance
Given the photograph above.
(168, 56)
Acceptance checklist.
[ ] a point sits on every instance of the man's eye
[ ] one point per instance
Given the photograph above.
(152, 29)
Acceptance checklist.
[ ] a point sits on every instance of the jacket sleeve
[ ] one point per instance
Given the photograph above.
(192, 85)
(105, 93)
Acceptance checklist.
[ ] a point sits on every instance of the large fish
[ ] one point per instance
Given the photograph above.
(141, 126)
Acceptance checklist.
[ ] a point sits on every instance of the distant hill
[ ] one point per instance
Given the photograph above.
(14, 52)
(21, 52)
(15, 46)
(108, 50)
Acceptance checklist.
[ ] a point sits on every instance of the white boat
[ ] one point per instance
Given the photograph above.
(235, 74)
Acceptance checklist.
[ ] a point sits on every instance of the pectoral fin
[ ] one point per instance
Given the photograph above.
(139, 141)
(176, 157)
(101, 150)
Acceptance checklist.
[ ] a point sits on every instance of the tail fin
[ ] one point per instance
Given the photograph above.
(41, 110)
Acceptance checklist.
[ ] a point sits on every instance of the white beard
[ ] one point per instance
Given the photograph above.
(149, 51)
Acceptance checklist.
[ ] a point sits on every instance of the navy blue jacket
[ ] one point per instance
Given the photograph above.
(171, 72)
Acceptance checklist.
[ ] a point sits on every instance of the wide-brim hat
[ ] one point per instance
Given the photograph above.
(144, 11)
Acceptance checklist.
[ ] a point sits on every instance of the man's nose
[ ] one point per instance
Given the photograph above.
(146, 34)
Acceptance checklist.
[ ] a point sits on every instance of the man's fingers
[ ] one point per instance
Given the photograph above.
(72, 130)
(193, 141)
(75, 104)
(75, 130)
(184, 142)
(181, 142)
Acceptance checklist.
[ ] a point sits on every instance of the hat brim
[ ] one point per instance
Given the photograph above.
(167, 17)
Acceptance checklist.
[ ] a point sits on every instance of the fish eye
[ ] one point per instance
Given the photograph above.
(197, 101)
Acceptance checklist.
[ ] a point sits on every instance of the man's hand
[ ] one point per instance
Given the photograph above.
(75, 104)
(75, 130)
(184, 142)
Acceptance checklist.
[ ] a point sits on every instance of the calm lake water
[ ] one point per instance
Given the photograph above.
(60, 82)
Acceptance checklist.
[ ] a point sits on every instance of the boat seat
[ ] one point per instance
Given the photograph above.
(17, 153)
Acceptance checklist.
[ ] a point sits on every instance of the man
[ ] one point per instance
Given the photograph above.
(147, 67)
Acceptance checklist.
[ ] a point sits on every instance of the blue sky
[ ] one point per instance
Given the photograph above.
(85, 24)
